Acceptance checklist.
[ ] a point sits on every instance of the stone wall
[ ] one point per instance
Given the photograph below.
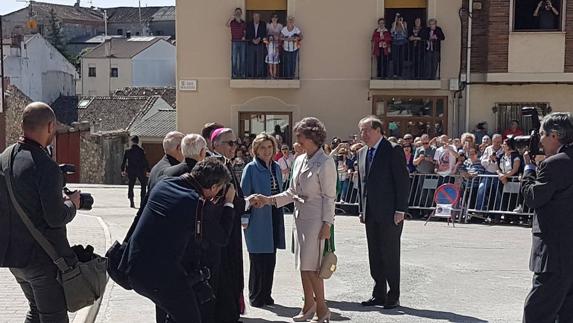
(16, 102)
(101, 155)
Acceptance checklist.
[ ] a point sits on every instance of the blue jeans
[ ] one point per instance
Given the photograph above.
(238, 59)
(486, 185)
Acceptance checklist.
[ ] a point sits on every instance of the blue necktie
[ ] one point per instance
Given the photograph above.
(370, 157)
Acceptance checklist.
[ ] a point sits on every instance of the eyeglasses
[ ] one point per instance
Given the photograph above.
(231, 143)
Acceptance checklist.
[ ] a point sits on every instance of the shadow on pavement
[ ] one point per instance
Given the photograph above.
(288, 313)
(403, 310)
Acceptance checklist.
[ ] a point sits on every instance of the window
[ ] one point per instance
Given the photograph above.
(414, 115)
(506, 112)
(266, 8)
(537, 15)
(120, 32)
(91, 71)
(114, 72)
(253, 123)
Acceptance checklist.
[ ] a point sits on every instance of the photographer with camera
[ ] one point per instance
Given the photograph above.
(37, 184)
(548, 189)
(547, 14)
(164, 256)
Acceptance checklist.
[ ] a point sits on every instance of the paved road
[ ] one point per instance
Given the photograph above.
(84, 229)
(471, 273)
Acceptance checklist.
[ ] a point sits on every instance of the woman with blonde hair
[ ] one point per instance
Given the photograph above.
(263, 227)
(313, 191)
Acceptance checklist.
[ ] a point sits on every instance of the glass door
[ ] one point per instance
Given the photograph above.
(279, 124)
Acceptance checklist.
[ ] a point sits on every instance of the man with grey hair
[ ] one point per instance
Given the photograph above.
(194, 149)
(172, 157)
(548, 189)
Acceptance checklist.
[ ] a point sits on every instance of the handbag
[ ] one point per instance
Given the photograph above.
(115, 254)
(84, 282)
(329, 259)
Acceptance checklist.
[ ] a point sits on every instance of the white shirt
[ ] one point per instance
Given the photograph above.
(290, 45)
(446, 161)
(489, 165)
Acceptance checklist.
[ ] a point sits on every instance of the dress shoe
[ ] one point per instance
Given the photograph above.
(132, 205)
(373, 302)
(270, 301)
(322, 319)
(257, 304)
(391, 305)
(303, 317)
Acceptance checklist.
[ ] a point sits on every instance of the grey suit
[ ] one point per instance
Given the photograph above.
(313, 191)
(383, 190)
(549, 191)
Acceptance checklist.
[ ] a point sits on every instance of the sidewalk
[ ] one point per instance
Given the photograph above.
(84, 229)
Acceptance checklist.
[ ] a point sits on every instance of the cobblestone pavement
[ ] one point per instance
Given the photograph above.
(470, 273)
(84, 229)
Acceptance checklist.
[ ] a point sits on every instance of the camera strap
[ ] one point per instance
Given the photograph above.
(200, 206)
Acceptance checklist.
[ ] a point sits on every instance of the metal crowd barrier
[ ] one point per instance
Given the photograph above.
(486, 196)
(483, 196)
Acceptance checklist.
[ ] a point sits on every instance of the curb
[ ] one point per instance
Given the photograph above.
(89, 314)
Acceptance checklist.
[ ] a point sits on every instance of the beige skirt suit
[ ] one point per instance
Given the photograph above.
(313, 191)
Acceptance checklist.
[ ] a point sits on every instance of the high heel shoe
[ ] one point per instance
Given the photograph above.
(303, 317)
(323, 319)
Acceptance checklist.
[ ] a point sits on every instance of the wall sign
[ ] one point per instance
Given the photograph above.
(187, 85)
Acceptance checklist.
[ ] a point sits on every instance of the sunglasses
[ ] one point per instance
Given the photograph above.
(231, 143)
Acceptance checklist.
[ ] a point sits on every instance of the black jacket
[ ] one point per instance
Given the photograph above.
(38, 185)
(158, 246)
(385, 186)
(437, 44)
(549, 191)
(134, 161)
(155, 175)
(261, 31)
(180, 169)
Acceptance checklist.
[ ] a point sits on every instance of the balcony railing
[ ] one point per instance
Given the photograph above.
(416, 60)
(274, 60)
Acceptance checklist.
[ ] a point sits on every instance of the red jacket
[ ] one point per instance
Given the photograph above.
(376, 40)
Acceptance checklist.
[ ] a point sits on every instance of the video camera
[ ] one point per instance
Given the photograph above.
(529, 142)
(86, 199)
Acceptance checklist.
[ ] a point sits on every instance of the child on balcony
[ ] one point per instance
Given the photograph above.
(272, 58)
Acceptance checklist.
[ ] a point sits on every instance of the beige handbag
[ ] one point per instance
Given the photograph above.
(329, 260)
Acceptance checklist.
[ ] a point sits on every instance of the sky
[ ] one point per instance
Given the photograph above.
(7, 6)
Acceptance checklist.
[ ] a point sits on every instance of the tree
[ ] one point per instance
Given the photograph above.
(55, 36)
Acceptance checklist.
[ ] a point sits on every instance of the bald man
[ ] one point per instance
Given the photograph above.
(37, 183)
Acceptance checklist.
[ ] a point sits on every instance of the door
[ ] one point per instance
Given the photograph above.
(68, 152)
(278, 124)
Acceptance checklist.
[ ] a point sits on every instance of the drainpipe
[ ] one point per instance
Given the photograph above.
(468, 64)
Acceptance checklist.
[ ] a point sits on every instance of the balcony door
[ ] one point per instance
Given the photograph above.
(415, 115)
(276, 123)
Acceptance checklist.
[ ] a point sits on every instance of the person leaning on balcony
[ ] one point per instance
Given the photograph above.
(416, 51)
(399, 45)
(381, 43)
(547, 14)
(291, 36)
(274, 28)
(255, 34)
(433, 35)
(237, 26)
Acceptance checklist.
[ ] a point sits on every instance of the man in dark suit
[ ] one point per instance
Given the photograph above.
(383, 188)
(194, 149)
(548, 189)
(37, 183)
(163, 257)
(135, 166)
(255, 34)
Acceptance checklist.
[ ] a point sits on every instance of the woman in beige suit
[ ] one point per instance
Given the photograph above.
(313, 191)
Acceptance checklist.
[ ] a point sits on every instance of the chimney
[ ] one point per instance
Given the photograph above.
(128, 34)
(77, 3)
(107, 47)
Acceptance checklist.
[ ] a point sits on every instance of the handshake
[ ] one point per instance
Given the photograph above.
(259, 200)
